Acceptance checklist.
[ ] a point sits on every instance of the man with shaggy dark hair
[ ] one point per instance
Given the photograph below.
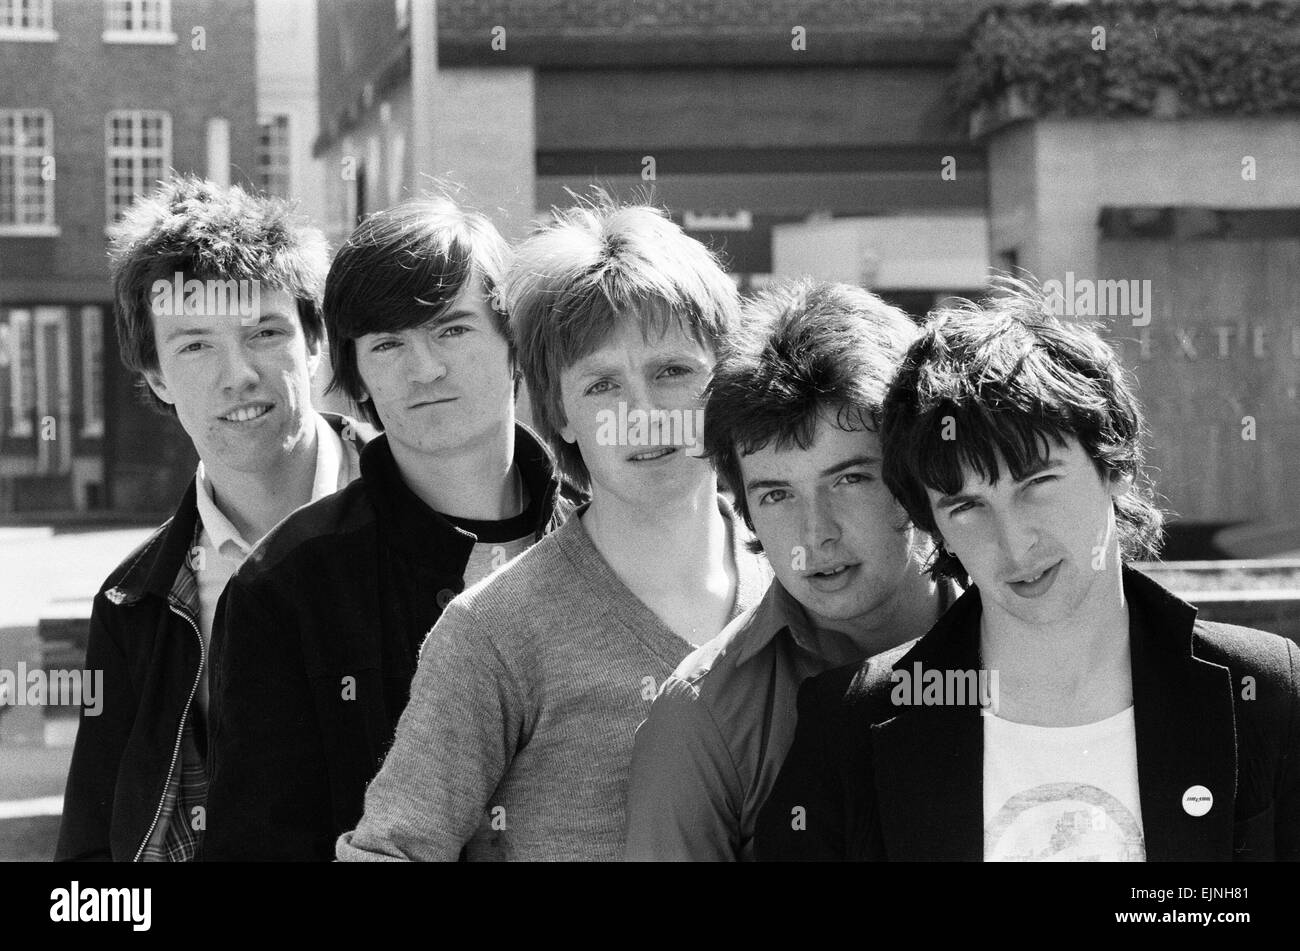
(792, 424)
(1067, 707)
(217, 302)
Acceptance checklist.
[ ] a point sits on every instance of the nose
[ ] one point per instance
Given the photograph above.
(1017, 535)
(424, 364)
(821, 526)
(238, 372)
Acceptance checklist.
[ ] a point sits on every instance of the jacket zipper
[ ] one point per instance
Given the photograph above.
(180, 730)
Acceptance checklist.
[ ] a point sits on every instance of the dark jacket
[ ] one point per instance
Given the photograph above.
(883, 782)
(144, 635)
(313, 650)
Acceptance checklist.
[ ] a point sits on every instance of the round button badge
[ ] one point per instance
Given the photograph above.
(1197, 801)
(444, 598)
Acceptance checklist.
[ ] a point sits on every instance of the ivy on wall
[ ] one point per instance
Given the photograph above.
(1158, 57)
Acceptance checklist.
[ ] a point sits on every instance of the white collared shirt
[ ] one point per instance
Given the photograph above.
(221, 547)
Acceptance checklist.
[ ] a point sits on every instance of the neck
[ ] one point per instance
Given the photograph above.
(683, 543)
(908, 613)
(255, 502)
(477, 481)
(1066, 672)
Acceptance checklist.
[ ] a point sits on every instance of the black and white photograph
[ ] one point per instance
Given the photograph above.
(650, 431)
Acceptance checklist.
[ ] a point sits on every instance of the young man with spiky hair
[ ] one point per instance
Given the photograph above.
(217, 303)
(1120, 728)
(318, 633)
(518, 737)
(793, 412)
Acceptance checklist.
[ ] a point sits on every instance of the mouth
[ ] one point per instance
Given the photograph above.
(247, 413)
(650, 455)
(432, 402)
(831, 577)
(1037, 583)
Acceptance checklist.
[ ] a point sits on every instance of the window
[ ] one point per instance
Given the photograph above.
(26, 20)
(138, 21)
(26, 172)
(92, 372)
(138, 153)
(22, 374)
(273, 156)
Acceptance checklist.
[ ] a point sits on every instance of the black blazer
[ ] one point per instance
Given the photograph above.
(1215, 705)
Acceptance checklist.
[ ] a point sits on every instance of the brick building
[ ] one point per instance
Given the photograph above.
(98, 100)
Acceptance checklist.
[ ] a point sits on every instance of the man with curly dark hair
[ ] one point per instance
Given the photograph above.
(1067, 707)
(218, 309)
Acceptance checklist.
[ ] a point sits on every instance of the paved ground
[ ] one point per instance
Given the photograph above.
(43, 573)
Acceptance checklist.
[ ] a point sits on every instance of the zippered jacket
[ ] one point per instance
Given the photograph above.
(144, 637)
(316, 639)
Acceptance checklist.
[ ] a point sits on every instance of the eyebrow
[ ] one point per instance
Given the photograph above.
(200, 331)
(948, 501)
(757, 484)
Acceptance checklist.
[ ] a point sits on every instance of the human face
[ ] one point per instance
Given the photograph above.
(444, 385)
(242, 391)
(661, 377)
(837, 540)
(1043, 550)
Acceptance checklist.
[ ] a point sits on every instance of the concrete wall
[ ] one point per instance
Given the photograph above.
(1048, 179)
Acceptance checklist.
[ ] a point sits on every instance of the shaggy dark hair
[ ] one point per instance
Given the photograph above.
(802, 349)
(402, 267)
(206, 232)
(1007, 379)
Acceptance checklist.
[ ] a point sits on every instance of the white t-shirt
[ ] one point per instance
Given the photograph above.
(1062, 794)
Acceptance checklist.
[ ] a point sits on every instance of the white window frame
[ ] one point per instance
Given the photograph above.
(135, 31)
(136, 152)
(53, 398)
(92, 362)
(42, 229)
(44, 33)
(286, 168)
(20, 323)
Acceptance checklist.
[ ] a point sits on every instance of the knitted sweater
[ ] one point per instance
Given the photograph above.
(517, 741)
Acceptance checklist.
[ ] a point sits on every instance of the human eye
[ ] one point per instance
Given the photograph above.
(772, 496)
(600, 386)
(456, 330)
(855, 478)
(384, 345)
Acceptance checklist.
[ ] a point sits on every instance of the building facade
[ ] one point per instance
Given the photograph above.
(99, 99)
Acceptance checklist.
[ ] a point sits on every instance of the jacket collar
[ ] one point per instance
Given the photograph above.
(163, 557)
(929, 760)
(410, 526)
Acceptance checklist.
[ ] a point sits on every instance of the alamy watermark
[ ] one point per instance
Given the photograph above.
(1085, 297)
(919, 687)
(654, 428)
(210, 298)
(53, 688)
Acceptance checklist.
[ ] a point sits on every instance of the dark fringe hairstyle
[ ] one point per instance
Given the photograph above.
(1006, 379)
(803, 349)
(208, 232)
(401, 267)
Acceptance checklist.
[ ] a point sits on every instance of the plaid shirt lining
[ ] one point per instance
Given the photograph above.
(179, 830)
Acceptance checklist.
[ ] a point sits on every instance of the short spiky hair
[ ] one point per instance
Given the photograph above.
(402, 267)
(803, 349)
(1007, 379)
(594, 265)
(208, 232)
